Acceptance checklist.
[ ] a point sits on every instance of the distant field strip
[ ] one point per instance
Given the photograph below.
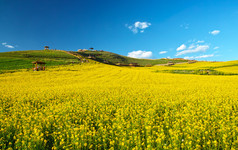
(202, 68)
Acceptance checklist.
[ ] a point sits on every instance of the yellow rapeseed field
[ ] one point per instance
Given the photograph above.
(232, 69)
(97, 106)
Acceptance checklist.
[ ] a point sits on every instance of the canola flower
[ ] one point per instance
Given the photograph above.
(96, 106)
(227, 70)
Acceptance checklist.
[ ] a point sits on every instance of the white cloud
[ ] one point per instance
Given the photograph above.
(214, 32)
(200, 41)
(140, 54)
(197, 48)
(197, 57)
(216, 47)
(181, 47)
(142, 25)
(139, 26)
(163, 52)
(134, 30)
(191, 46)
(8, 46)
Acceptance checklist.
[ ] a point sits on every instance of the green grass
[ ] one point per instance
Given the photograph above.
(37, 54)
(22, 59)
(113, 58)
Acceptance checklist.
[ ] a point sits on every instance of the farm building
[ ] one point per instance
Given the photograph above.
(82, 50)
(178, 59)
(192, 61)
(91, 57)
(121, 64)
(38, 65)
(106, 62)
(46, 48)
(170, 63)
(133, 65)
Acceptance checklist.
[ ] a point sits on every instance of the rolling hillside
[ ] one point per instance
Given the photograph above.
(10, 61)
(112, 58)
(22, 59)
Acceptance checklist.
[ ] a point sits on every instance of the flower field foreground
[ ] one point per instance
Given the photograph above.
(97, 106)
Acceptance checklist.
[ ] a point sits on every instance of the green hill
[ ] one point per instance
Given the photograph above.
(12, 61)
(22, 59)
(113, 59)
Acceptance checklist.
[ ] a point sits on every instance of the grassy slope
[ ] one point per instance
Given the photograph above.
(22, 59)
(113, 58)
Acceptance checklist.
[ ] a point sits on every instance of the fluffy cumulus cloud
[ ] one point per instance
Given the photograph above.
(181, 47)
(198, 57)
(7, 45)
(195, 49)
(162, 52)
(139, 26)
(215, 32)
(140, 54)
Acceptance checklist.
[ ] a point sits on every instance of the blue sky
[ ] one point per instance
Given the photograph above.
(193, 29)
